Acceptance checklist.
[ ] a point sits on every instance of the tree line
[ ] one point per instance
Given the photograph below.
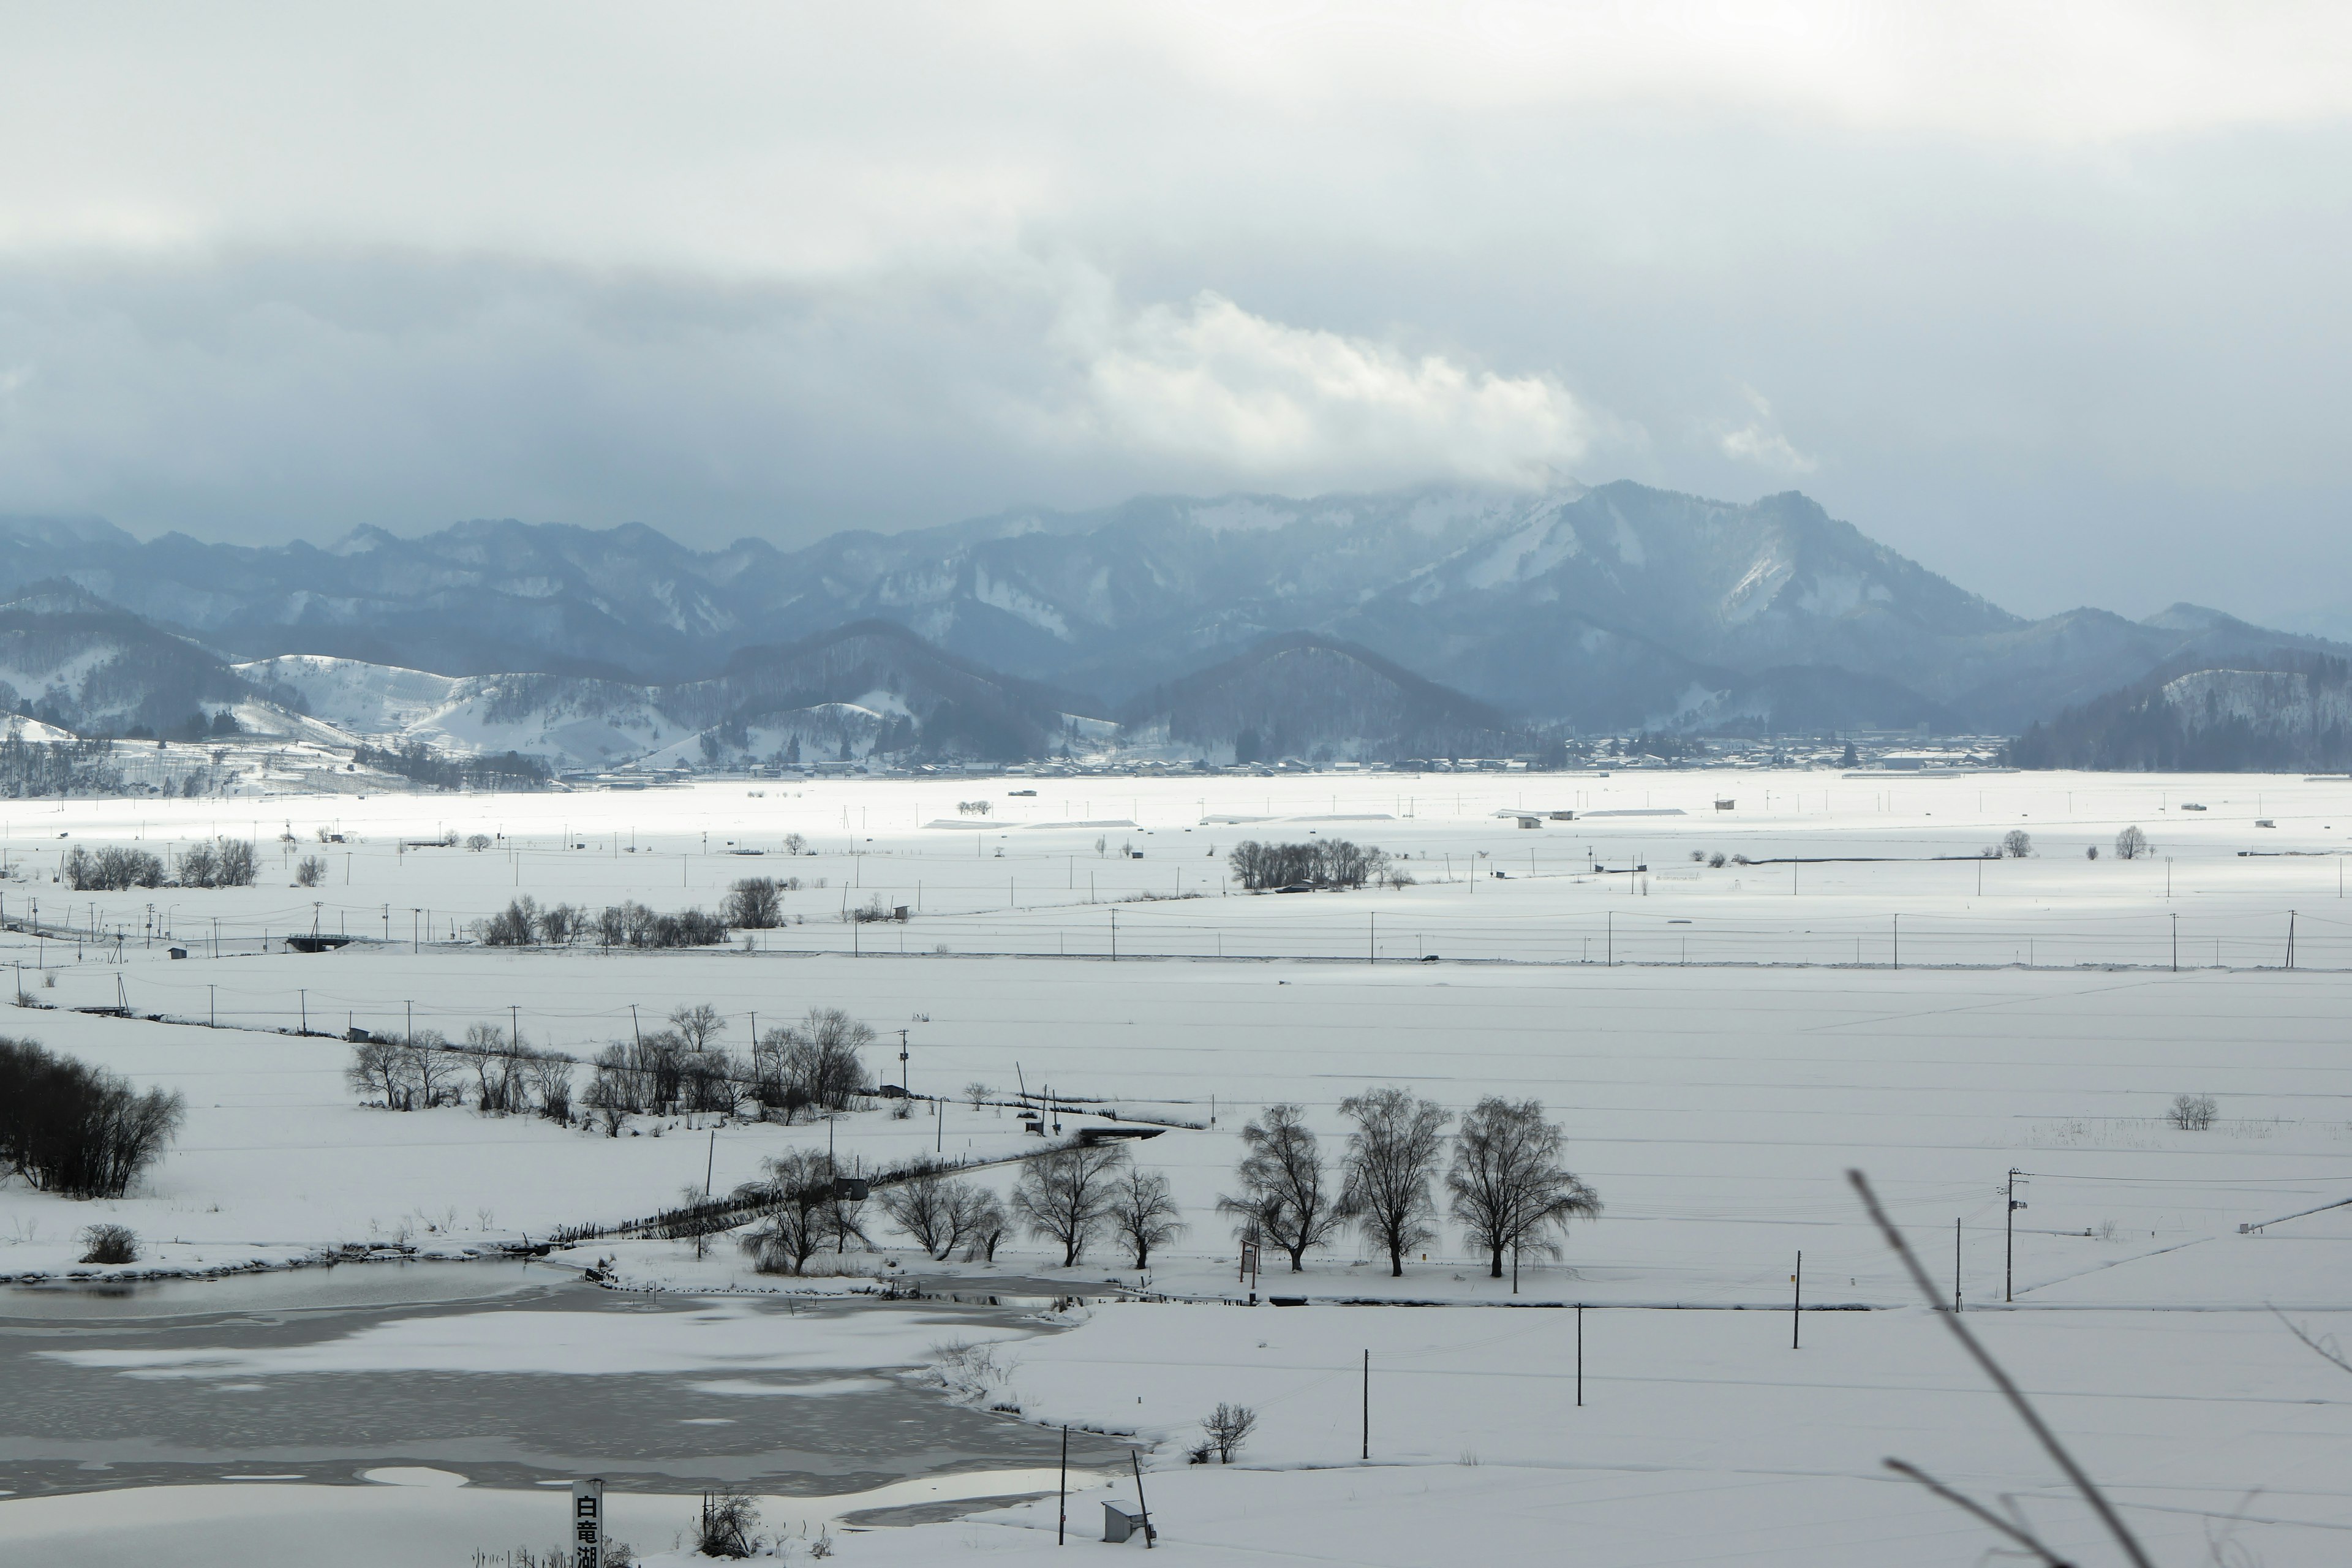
(754, 903)
(221, 863)
(1505, 1183)
(1325, 863)
(525, 922)
(813, 1066)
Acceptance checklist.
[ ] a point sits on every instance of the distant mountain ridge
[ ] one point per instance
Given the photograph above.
(1307, 697)
(2292, 712)
(1610, 609)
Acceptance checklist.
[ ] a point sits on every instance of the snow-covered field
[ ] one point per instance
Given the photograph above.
(1720, 1044)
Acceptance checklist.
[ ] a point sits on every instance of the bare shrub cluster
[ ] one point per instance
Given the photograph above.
(526, 923)
(223, 863)
(111, 869)
(69, 1128)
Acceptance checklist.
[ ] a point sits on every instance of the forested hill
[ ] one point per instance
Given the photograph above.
(2288, 713)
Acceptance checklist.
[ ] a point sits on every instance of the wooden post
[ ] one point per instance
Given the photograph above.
(1579, 1355)
(1368, 1405)
(1797, 1302)
(1062, 1523)
(1140, 1506)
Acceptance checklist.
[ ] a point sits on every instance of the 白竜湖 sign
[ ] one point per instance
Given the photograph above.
(588, 1524)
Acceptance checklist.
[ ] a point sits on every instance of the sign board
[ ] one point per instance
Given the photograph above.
(1249, 1259)
(588, 1524)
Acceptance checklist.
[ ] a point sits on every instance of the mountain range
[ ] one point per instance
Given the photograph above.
(1408, 623)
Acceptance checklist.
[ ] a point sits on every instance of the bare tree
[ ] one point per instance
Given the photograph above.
(799, 1214)
(309, 872)
(1066, 1196)
(1507, 1183)
(1144, 1213)
(754, 903)
(431, 1070)
(1391, 1160)
(378, 1067)
(498, 1082)
(2017, 844)
(2131, 844)
(819, 1056)
(551, 1083)
(932, 1209)
(978, 1093)
(1228, 1427)
(1285, 1194)
(2193, 1113)
(984, 1225)
(698, 1025)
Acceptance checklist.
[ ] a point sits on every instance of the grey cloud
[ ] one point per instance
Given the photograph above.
(2065, 346)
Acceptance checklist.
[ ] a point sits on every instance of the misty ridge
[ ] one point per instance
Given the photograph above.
(1441, 621)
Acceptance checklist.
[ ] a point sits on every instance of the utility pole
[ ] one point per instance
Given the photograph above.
(1579, 1355)
(1796, 1302)
(1062, 1520)
(1368, 1405)
(902, 1061)
(1114, 936)
(1898, 941)
(1956, 1263)
(305, 995)
(2008, 1243)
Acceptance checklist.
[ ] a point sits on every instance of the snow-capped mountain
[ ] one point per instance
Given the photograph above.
(1611, 607)
(836, 697)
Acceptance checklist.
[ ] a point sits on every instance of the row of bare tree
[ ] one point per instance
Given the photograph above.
(1505, 1184)
(507, 1077)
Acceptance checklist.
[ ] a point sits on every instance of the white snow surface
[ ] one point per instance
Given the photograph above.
(1714, 1093)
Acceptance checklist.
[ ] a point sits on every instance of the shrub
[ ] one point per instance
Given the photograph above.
(70, 1127)
(312, 872)
(110, 1244)
(725, 1526)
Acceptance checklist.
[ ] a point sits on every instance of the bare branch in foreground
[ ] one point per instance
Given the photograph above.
(1981, 1513)
(2324, 1349)
(2000, 1380)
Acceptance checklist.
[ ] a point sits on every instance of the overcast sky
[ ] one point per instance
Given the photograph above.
(2049, 297)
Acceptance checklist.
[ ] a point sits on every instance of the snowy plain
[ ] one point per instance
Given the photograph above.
(1720, 1044)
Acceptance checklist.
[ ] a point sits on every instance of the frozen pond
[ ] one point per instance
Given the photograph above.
(508, 1374)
